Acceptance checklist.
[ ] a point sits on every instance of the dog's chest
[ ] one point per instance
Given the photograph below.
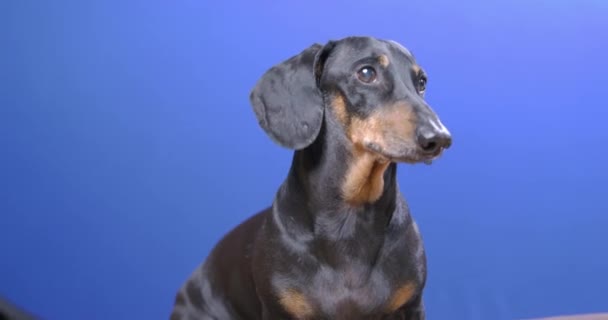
(352, 292)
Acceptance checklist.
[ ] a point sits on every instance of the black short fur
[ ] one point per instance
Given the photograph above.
(312, 254)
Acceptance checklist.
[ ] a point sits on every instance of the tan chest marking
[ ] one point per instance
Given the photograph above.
(296, 304)
(401, 296)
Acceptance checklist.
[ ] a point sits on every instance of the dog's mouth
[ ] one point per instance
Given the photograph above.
(405, 155)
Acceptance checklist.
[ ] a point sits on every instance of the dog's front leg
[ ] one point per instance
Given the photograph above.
(412, 311)
(416, 310)
(272, 311)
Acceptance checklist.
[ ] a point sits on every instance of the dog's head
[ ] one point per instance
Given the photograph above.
(373, 88)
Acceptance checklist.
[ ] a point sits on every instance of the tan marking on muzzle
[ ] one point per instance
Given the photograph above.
(364, 180)
(394, 122)
(401, 296)
(383, 60)
(296, 304)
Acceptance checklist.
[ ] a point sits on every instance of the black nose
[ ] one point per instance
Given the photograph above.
(431, 141)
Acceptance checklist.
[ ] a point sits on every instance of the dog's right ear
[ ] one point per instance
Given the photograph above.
(287, 101)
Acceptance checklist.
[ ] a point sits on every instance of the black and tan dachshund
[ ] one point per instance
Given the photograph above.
(338, 241)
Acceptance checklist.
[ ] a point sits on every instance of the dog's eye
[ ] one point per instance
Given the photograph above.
(366, 74)
(421, 84)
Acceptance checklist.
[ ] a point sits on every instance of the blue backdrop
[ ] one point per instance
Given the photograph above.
(128, 146)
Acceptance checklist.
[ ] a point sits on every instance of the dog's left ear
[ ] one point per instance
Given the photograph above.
(287, 101)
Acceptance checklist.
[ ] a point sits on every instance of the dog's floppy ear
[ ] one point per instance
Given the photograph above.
(287, 101)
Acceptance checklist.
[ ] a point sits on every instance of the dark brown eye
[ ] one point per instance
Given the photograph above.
(421, 84)
(366, 74)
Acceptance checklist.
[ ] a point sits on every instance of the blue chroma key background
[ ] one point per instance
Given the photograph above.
(128, 146)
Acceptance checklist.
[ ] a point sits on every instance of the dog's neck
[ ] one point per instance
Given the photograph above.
(335, 179)
(314, 202)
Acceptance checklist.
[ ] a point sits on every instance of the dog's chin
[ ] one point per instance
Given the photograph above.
(404, 155)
